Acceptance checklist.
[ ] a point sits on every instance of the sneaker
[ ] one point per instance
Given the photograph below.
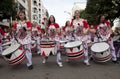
(115, 62)
(44, 61)
(38, 52)
(60, 65)
(91, 58)
(30, 67)
(87, 63)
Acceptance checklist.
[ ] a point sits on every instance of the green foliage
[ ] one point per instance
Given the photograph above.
(109, 8)
(8, 8)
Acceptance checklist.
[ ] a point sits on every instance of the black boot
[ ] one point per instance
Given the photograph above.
(30, 67)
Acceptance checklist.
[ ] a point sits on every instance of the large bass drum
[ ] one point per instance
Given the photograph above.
(74, 50)
(47, 48)
(101, 52)
(14, 54)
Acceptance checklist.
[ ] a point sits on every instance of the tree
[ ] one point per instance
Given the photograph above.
(109, 8)
(7, 8)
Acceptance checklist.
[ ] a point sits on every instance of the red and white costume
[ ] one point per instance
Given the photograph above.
(26, 42)
(2, 33)
(68, 32)
(103, 30)
(36, 35)
(79, 34)
(53, 35)
(52, 30)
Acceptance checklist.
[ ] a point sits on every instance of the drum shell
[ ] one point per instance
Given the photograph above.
(6, 45)
(74, 52)
(102, 56)
(47, 48)
(16, 57)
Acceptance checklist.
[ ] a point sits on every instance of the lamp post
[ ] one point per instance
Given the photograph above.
(68, 14)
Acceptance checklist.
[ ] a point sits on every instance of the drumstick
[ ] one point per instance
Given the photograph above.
(98, 34)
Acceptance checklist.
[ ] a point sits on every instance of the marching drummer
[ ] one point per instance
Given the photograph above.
(103, 31)
(81, 29)
(23, 30)
(53, 30)
(116, 40)
(36, 35)
(67, 29)
(2, 33)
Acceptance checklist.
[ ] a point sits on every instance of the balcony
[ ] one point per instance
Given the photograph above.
(35, 10)
(35, 3)
(35, 17)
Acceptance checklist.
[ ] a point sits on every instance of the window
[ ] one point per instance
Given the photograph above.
(35, 17)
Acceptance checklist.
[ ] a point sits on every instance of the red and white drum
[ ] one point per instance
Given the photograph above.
(47, 48)
(74, 50)
(6, 45)
(101, 52)
(62, 43)
(14, 54)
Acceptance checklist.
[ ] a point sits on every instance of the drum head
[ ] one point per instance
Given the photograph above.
(72, 44)
(99, 47)
(63, 41)
(11, 49)
(5, 44)
(32, 41)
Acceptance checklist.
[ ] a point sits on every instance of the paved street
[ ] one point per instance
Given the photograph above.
(71, 70)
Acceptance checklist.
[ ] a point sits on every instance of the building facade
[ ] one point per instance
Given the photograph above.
(37, 12)
(22, 5)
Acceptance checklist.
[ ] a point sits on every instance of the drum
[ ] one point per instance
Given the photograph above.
(74, 50)
(62, 43)
(101, 52)
(6, 45)
(14, 54)
(47, 48)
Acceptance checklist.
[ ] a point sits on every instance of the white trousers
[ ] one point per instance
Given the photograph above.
(85, 48)
(28, 54)
(38, 44)
(0, 48)
(112, 49)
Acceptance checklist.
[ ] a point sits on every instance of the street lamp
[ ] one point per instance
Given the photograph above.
(68, 13)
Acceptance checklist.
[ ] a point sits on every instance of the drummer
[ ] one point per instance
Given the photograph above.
(80, 29)
(23, 30)
(53, 30)
(116, 40)
(67, 30)
(36, 35)
(103, 31)
(2, 33)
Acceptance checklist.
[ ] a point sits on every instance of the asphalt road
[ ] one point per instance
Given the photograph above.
(50, 70)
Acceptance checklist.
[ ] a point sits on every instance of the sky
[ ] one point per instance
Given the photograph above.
(60, 9)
